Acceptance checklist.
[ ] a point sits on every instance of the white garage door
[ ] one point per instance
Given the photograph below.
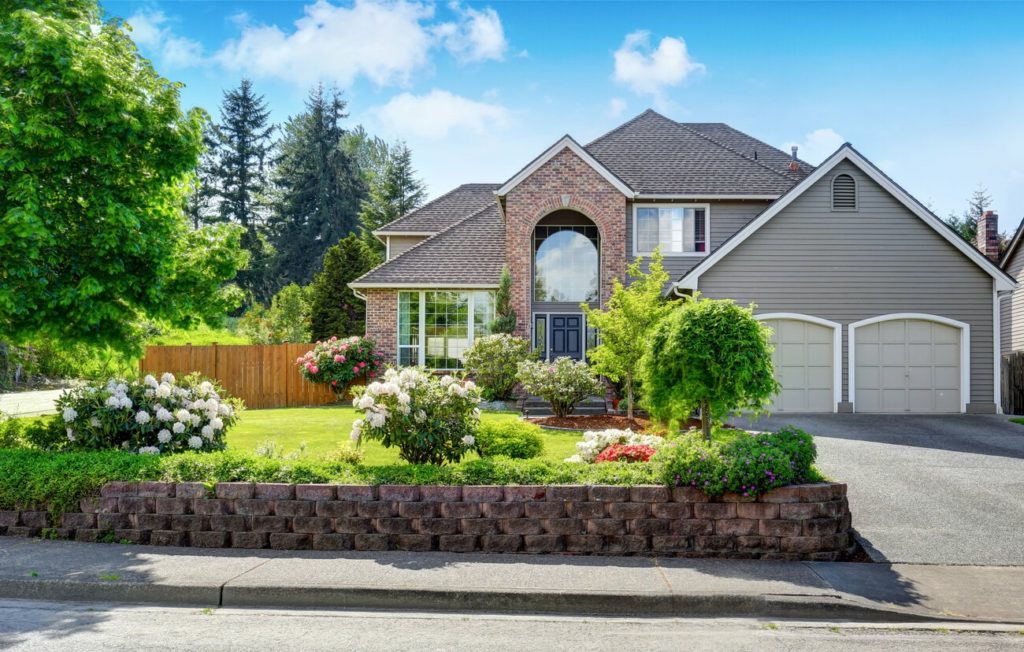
(803, 361)
(907, 365)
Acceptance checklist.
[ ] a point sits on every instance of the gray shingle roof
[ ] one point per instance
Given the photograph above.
(451, 207)
(748, 145)
(471, 251)
(656, 155)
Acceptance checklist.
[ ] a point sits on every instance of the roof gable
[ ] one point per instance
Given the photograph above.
(1006, 259)
(847, 153)
(566, 142)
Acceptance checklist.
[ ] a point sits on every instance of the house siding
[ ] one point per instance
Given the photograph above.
(848, 266)
(399, 244)
(725, 219)
(1011, 310)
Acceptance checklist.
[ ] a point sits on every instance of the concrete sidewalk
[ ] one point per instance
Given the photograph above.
(30, 404)
(57, 570)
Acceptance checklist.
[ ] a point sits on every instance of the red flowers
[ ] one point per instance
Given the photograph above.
(626, 453)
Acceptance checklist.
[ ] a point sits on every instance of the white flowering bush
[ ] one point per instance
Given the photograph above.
(430, 419)
(562, 383)
(149, 416)
(595, 441)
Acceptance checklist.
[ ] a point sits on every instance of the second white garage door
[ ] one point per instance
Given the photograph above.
(804, 365)
(907, 365)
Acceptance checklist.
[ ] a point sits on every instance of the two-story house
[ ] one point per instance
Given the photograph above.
(876, 305)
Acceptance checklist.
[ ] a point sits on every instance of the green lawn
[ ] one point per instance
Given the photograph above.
(324, 429)
(199, 336)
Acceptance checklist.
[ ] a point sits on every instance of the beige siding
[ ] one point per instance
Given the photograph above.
(400, 243)
(1011, 337)
(848, 266)
(725, 219)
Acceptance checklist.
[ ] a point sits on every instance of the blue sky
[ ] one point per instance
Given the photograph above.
(932, 93)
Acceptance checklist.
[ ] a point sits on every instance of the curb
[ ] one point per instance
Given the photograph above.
(705, 605)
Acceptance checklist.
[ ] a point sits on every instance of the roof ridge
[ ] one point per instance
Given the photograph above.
(622, 126)
(746, 135)
(432, 201)
(427, 239)
(740, 154)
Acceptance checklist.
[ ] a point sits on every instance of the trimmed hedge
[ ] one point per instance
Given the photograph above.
(516, 439)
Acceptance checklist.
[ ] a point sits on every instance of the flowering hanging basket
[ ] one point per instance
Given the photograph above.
(341, 364)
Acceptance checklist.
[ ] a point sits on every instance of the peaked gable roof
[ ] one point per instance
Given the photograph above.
(565, 142)
(1007, 256)
(656, 155)
(847, 153)
(440, 213)
(468, 254)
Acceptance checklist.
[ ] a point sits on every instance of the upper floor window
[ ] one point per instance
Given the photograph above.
(566, 249)
(679, 230)
(844, 193)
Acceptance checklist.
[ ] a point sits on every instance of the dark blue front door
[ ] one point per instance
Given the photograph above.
(566, 337)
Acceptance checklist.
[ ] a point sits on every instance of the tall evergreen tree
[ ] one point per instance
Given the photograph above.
(966, 224)
(200, 204)
(394, 191)
(333, 308)
(241, 171)
(319, 188)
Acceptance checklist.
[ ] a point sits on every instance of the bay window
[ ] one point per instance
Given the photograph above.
(436, 328)
(679, 230)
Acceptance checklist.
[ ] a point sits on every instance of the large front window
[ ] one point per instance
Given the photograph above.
(677, 230)
(435, 328)
(565, 265)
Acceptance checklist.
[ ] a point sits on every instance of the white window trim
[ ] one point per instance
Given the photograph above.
(837, 347)
(856, 194)
(691, 254)
(965, 350)
(421, 344)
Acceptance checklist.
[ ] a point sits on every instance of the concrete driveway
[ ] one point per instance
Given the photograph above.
(28, 404)
(927, 489)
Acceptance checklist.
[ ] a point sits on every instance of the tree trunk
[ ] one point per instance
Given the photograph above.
(705, 418)
(629, 396)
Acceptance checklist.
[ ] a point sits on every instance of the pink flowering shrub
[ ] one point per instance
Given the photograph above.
(340, 362)
(626, 453)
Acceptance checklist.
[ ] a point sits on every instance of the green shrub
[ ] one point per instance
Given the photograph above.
(748, 465)
(493, 362)
(563, 383)
(515, 439)
(45, 433)
(12, 432)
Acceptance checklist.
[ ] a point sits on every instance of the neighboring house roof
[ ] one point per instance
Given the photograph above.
(439, 214)
(658, 156)
(847, 153)
(564, 142)
(1007, 256)
(469, 253)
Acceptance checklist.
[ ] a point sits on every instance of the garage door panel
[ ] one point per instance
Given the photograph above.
(793, 354)
(803, 361)
(819, 377)
(907, 365)
(791, 376)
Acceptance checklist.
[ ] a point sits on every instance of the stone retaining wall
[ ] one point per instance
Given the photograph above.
(798, 522)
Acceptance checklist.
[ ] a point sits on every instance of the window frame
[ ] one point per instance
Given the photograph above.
(667, 254)
(421, 344)
(533, 260)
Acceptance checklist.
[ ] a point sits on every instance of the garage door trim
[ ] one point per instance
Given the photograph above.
(965, 350)
(837, 347)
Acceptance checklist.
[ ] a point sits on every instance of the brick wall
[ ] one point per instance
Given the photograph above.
(799, 522)
(544, 191)
(382, 321)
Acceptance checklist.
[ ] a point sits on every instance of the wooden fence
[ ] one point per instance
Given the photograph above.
(264, 376)
(1013, 383)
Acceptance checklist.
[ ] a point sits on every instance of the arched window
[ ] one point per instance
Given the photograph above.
(565, 261)
(844, 193)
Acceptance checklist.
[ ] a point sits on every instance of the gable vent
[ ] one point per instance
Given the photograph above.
(844, 193)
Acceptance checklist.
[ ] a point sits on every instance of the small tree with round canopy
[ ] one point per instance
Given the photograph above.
(712, 355)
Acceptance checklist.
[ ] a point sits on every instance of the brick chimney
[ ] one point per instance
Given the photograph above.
(987, 239)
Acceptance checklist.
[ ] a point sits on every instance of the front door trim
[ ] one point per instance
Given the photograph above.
(965, 349)
(546, 353)
(837, 347)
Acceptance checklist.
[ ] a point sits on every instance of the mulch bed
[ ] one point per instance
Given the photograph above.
(606, 421)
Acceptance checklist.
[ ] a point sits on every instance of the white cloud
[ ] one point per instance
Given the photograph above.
(437, 113)
(383, 41)
(477, 36)
(648, 71)
(817, 145)
(149, 31)
(616, 107)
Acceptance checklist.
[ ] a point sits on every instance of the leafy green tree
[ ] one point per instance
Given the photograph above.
(334, 307)
(287, 319)
(394, 191)
(320, 188)
(624, 325)
(504, 313)
(708, 354)
(95, 159)
(241, 173)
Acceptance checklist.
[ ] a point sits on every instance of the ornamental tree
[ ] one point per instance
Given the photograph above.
(630, 314)
(504, 313)
(96, 158)
(708, 354)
